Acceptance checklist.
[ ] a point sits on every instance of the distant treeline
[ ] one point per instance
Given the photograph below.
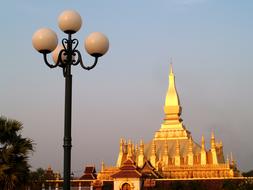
(248, 174)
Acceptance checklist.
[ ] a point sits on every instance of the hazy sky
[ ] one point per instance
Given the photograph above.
(210, 42)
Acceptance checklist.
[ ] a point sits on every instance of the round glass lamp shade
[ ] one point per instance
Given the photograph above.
(69, 21)
(44, 40)
(96, 44)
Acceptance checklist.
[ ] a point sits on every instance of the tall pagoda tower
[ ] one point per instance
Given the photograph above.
(172, 152)
(172, 126)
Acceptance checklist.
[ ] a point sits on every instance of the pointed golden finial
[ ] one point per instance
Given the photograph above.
(203, 143)
(102, 166)
(121, 146)
(125, 146)
(171, 68)
(190, 145)
(212, 135)
(141, 142)
(212, 140)
(228, 161)
(221, 143)
(129, 149)
(141, 147)
(231, 158)
(172, 96)
(136, 149)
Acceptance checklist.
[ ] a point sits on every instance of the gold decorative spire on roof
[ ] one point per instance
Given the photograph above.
(203, 143)
(125, 146)
(212, 140)
(190, 145)
(129, 149)
(102, 166)
(141, 147)
(172, 126)
(141, 154)
(172, 97)
(228, 161)
(121, 147)
(232, 159)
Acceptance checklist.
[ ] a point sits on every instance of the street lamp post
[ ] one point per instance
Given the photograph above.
(66, 55)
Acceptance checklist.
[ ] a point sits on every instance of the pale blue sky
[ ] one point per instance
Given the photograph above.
(210, 42)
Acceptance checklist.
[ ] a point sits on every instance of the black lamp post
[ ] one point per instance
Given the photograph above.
(66, 55)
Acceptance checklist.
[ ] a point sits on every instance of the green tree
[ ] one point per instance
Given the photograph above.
(37, 178)
(14, 151)
(248, 174)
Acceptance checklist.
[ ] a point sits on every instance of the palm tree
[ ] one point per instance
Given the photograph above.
(14, 151)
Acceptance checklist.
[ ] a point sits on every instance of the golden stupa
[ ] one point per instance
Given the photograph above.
(172, 153)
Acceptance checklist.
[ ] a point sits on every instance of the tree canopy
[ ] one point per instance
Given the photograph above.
(14, 152)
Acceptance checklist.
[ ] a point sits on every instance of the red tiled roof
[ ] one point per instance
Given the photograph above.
(89, 173)
(129, 170)
(148, 171)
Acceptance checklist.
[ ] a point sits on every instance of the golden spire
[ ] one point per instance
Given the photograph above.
(129, 149)
(125, 146)
(190, 145)
(121, 146)
(213, 149)
(136, 149)
(203, 143)
(153, 157)
(221, 144)
(212, 140)
(172, 97)
(228, 161)
(232, 159)
(102, 166)
(122, 151)
(172, 126)
(203, 151)
(141, 155)
(141, 148)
